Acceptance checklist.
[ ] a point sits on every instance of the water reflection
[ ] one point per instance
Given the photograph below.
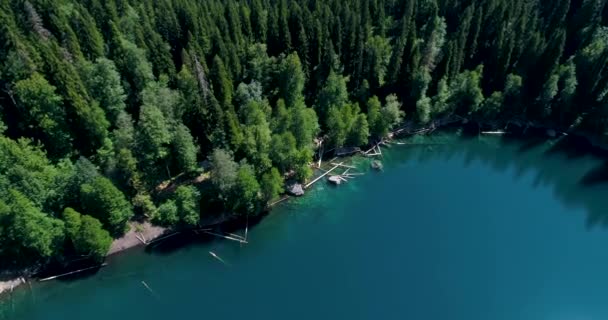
(576, 171)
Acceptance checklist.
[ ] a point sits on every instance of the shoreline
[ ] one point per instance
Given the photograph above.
(142, 234)
(139, 234)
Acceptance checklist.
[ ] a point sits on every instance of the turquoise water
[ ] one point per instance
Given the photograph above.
(476, 229)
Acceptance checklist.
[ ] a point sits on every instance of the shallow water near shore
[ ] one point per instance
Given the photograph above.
(453, 228)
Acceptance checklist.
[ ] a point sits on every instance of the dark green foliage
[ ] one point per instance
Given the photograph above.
(102, 200)
(95, 115)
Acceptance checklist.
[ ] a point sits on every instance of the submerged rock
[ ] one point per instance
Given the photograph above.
(295, 189)
(335, 180)
(377, 164)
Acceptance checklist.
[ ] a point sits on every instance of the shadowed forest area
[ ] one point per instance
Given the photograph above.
(104, 101)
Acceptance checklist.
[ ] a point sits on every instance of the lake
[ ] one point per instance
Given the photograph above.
(453, 228)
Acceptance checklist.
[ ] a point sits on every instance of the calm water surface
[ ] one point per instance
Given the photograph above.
(468, 229)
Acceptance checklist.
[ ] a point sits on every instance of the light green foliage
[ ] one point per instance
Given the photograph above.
(423, 109)
(153, 135)
(92, 238)
(440, 100)
(259, 64)
(332, 94)
(359, 132)
(71, 219)
(247, 190)
(550, 90)
(347, 126)
(142, 203)
(257, 134)
(167, 214)
(391, 112)
(30, 233)
(184, 149)
(569, 82)
(492, 105)
(86, 234)
(376, 123)
(304, 124)
(158, 94)
(102, 200)
(187, 200)
(271, 185)
(97, 80)
(24, 167)
(283, 151)
(132, 61)
(337, 127)
(378, 50)
(38, 100)
(291, 79)
(466, 90)
(434, 43)
(123, 136)
(246, 93)
(104, 85)
(224, 170)
(383, 118)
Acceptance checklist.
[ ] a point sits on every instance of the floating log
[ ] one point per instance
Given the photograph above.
(225, 237)
(150, 289)
(279, 201)
(236, 236)
(155, 241)
(218, 258)
(321, 176)
(73, 272)
(370, 150)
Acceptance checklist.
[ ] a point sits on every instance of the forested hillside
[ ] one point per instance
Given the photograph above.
(102, 100)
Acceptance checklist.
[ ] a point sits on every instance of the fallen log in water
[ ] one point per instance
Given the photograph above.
(343, 165)
(73, 272)
(150, 289)
(225, 237)
(321, 176)
(218, 258)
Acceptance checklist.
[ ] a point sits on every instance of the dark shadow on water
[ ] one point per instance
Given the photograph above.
(188, 238)
(597, 176)
(574, 169)
(89, 268)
